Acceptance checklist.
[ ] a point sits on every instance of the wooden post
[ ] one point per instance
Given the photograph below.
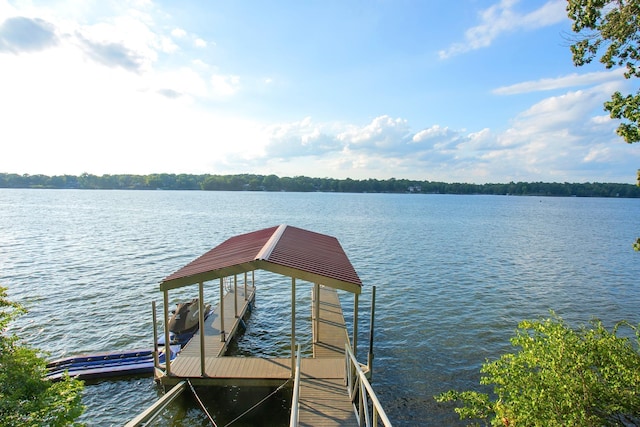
(201, 324)
(355, 324)
(222, 337)
(167, 342)
(293, 326)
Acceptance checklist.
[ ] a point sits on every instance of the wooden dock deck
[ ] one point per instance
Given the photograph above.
(324, 399)
(187, 363)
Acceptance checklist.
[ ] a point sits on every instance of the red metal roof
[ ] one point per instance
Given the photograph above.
(287, 250)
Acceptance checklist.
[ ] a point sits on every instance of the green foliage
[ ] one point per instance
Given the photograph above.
(559, 377)
(612, 26)
(26, 397)
(251, 182)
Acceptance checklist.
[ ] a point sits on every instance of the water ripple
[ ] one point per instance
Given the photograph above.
(454, 276)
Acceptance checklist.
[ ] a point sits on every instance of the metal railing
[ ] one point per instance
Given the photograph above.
(154, 410)
(366, 405)
(295, 400)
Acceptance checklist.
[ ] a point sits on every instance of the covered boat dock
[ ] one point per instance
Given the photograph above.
(327, 389)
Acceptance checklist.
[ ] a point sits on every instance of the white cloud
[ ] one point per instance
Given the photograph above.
(435, 132)
(121, 34)
(181, 81)
(557, 139)
(181, 34)
(178, 33)
(561, 137)
(384, 133)
(300, 139)
(570, 80)
(64, 114)
(224, 85)
(501, 18)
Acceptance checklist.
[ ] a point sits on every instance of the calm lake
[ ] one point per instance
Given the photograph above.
(454, 276)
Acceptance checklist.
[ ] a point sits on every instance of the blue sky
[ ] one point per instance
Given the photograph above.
(468, 91)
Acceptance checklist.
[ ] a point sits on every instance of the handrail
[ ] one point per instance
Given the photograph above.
(295, 400)
(359, 389)
(154, 410)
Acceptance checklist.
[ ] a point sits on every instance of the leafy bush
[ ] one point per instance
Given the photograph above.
(27, 398)
(559, 377)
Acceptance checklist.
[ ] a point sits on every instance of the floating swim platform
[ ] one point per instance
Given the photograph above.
(106, 365)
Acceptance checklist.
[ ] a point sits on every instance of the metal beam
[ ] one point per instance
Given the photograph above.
(222, 337)
(355, 324)
(201, 325)
(167, 341)
(293, 326)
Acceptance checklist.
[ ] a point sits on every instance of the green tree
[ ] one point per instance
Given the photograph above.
(612, 26)
(559, 377)
(27, 398)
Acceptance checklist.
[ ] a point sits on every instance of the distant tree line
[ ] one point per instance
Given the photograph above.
(251, 182)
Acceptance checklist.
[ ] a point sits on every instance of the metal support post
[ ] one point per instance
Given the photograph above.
(222, 336)
(355, 324)
(293, 325)
(167, 341)
(373, 314)
(201, 324)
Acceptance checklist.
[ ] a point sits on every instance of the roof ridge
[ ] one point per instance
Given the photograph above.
(268, 247)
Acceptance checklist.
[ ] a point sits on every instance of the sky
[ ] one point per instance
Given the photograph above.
(468, 91)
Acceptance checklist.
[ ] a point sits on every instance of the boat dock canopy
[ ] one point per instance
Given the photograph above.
(286, 250)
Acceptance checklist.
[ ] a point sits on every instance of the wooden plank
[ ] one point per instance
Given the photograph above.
(323, 368)
(330, 339)
(324, 403)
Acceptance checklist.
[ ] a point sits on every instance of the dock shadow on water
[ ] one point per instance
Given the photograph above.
(233, 406)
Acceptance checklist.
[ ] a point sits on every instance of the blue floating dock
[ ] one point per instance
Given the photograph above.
(106, 365)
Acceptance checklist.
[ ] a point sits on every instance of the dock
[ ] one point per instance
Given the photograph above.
(324, 399)
(330, 387)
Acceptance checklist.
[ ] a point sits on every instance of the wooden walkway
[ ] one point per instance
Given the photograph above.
(324, 400)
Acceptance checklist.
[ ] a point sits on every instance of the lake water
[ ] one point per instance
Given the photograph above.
(454, 276)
